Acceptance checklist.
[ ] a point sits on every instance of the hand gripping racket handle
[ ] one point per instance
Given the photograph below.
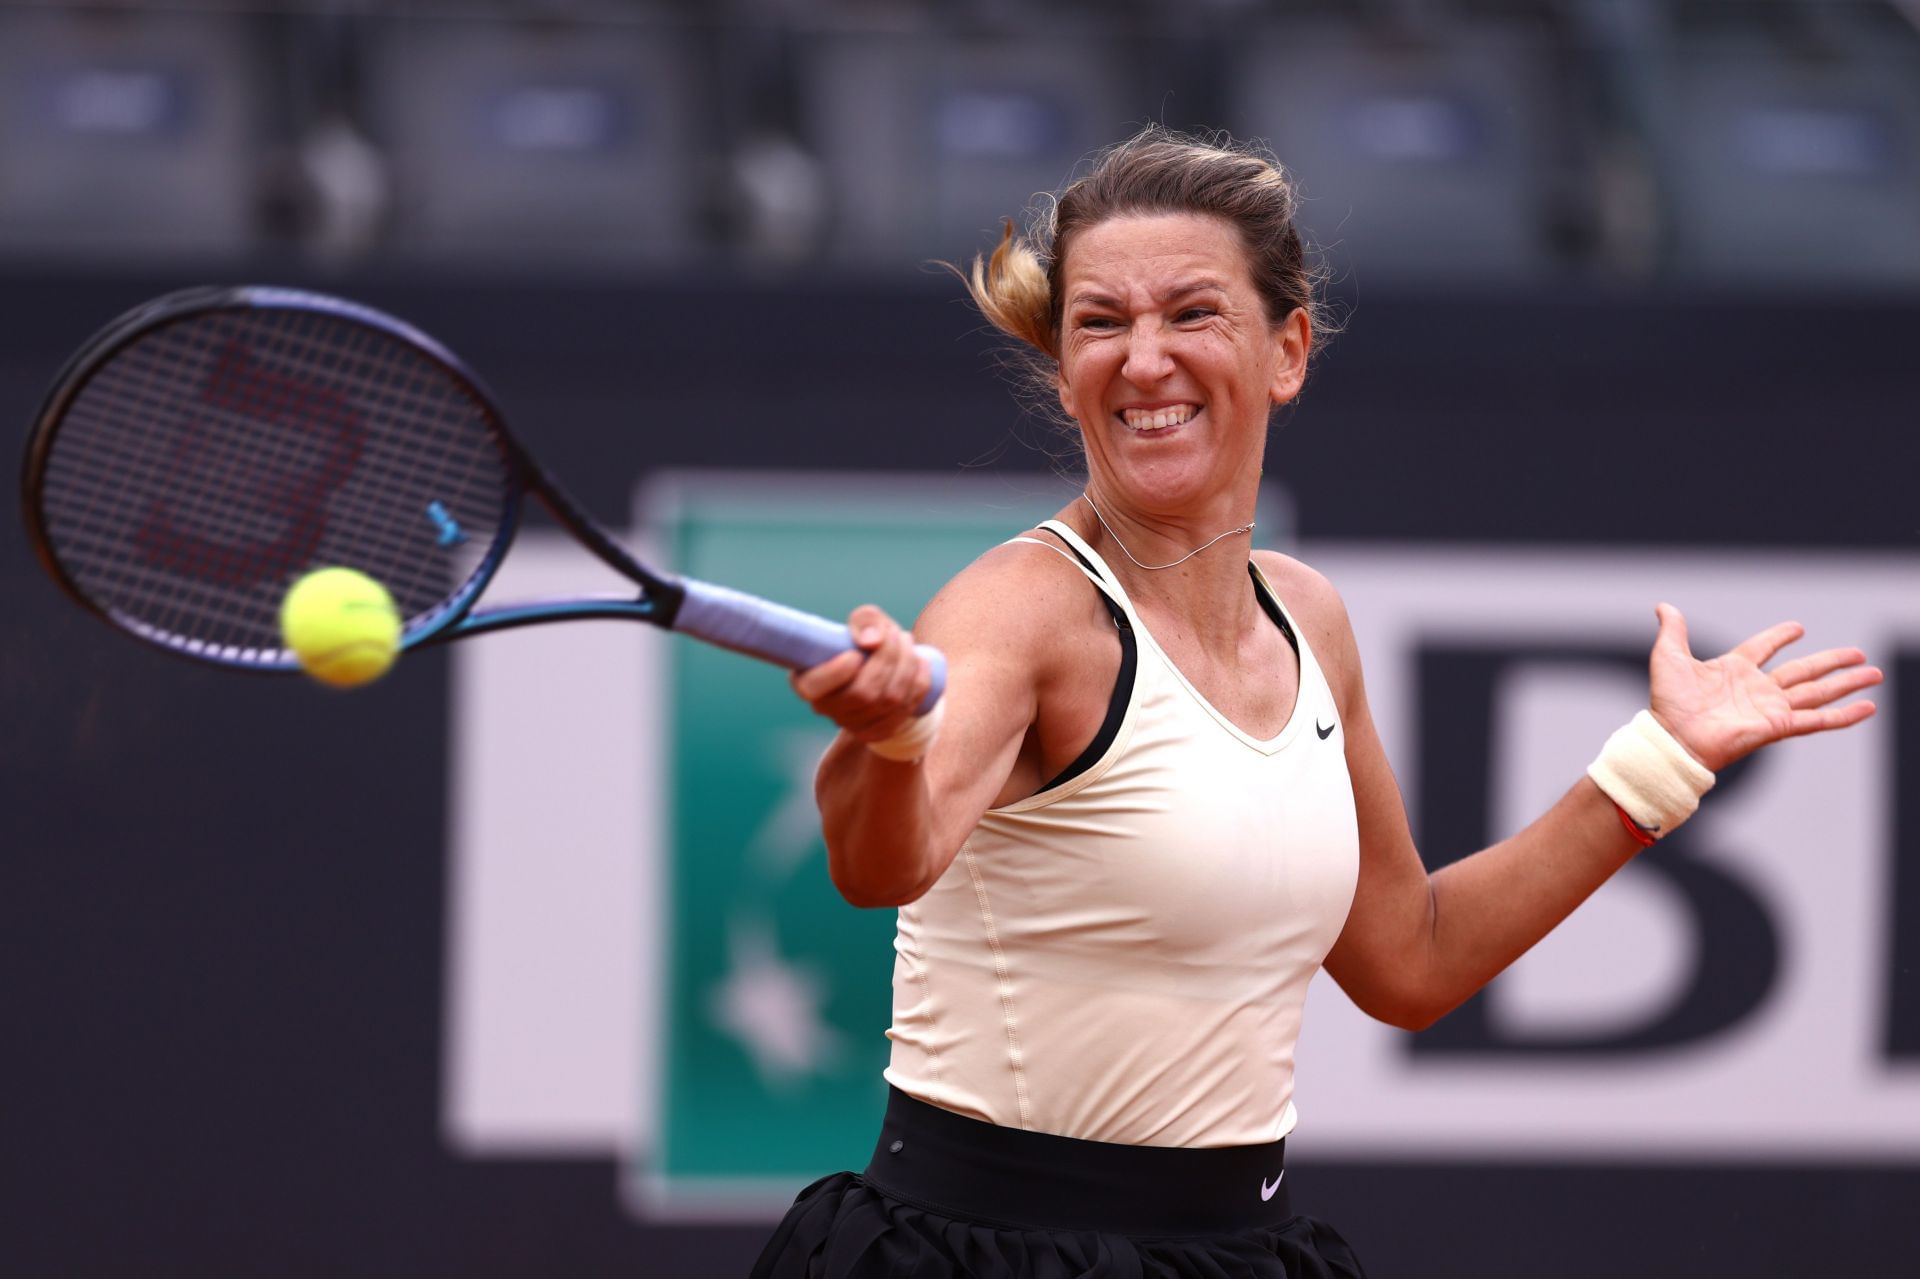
(778, 634)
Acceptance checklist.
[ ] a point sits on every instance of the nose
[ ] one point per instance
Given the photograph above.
(1148, 357)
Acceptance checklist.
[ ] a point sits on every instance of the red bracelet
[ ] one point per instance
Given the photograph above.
(1646, 839)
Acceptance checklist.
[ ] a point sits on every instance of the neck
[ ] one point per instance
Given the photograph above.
(1145, 566)
(1206, 594)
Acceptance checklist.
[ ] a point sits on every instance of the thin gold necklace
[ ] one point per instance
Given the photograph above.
(1088, 499)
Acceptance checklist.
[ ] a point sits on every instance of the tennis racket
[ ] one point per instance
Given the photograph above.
(206, 450)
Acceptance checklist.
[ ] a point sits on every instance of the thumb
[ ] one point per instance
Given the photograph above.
(869, 626)
(1673, 630)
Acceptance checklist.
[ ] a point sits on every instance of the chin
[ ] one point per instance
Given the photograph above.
(1169, 487)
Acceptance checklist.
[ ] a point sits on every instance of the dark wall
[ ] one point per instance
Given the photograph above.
(221, 908)
(1762, 419)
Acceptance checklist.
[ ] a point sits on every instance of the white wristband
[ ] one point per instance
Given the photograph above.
(1650, 775)
(914, 738)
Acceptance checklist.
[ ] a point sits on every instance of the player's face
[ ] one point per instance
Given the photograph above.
(1168, 361)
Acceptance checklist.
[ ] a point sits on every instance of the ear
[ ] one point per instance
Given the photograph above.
(1292, 340)
(1060, 388)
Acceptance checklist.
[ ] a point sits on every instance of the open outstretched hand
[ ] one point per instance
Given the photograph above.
(1723, 709)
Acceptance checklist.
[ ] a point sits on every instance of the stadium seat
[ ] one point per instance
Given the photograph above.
(930, 138)
(545, 141)
(126, 133)
(1787, 165)
(1420, 158)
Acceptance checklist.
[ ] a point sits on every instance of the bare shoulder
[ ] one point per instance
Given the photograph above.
(1017, 598)
(1316, 604)
(1306, 592)
(1033, 656)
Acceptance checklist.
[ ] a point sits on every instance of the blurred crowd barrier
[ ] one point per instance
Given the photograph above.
(1495, 141)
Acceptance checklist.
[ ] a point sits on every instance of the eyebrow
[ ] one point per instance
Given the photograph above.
(1095, 297)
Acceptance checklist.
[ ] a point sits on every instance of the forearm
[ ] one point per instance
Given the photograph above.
(877, 816)
(1487, 910)
(892, 828)
(1416, 944)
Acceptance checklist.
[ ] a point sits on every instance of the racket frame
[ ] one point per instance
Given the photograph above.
(704, 610)
(658, 598)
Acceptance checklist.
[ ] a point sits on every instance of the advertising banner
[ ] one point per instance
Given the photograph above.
(656, 965)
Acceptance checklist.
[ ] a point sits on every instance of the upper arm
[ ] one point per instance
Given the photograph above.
(1007, 624)
(992, 689)
(1389, 923)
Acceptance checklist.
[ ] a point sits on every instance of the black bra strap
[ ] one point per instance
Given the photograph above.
(1271, 607)
(1122, 686)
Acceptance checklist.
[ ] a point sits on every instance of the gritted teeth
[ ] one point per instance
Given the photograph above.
(1155, 419)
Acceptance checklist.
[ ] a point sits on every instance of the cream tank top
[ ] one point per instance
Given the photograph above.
(1124, 957)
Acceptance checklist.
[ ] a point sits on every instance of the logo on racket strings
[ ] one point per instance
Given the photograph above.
(450, 532)
(233, 466)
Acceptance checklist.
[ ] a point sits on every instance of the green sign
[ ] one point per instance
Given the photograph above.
(778, 992)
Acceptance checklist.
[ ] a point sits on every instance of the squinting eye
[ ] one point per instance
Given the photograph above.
(1197, 313)
(1096, 322)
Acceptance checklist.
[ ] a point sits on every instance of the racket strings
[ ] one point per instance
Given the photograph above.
(209, 463)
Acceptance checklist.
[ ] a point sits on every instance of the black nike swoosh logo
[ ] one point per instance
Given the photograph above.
(1326, 732)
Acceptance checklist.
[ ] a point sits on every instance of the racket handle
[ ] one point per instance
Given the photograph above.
(778, 634)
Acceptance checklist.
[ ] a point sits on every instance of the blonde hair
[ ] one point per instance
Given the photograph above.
(1017, 288)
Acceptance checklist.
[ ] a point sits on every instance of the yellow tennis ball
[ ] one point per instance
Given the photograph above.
(342, 625)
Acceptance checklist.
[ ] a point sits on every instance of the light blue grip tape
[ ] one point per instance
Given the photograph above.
(778, 634)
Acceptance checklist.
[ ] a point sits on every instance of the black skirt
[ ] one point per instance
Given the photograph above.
(946, 1196)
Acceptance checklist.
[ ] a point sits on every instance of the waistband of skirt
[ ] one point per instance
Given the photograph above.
(969, 1169)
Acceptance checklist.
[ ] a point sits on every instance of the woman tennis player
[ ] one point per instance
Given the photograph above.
(1153, 802)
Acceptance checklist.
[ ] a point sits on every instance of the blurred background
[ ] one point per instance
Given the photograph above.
(524, 962)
